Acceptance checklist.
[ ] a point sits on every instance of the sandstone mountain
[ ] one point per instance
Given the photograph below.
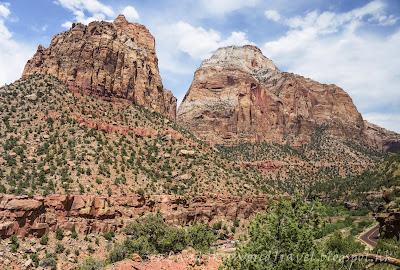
(239, 96)
(382, 138)
(112, 60)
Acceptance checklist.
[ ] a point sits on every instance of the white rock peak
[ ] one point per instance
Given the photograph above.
(247, 58)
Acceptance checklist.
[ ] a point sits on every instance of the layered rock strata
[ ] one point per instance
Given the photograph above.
(107, 59)
(95, 214)
(240, 96)
(383, 139)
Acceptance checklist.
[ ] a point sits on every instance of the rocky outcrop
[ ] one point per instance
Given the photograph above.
(107, 59)
(388, 214)
(98, 214)
(382, 138)
(238, 95)
(264, 166)
(389, 224)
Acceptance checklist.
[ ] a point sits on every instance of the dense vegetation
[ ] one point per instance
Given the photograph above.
(151, 236)
(53, 140)
(293, 235)
(320, 161)
(386, 175)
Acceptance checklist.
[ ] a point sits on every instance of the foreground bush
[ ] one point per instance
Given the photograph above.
(282, 238)
(151, 236)
(201, 236)
(287, 237)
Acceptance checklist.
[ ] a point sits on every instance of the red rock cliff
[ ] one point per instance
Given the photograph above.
(108, 59)
(98, 214)
(238, 95)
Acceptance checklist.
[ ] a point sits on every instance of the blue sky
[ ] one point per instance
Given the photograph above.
(353, 44)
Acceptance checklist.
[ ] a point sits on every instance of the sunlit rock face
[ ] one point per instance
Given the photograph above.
(239, 95)
(112, 60)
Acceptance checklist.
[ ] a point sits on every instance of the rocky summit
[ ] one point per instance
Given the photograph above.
(240, 96)
(112, 60)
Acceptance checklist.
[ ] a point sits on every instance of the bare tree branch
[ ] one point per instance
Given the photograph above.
(368, 266)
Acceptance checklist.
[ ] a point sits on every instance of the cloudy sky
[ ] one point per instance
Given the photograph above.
(353, 44)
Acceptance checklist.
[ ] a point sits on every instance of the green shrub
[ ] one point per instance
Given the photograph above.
(289, 228)
(44, 239)
(91, 264)
(151, 235)
(139, 245)
(14, 243)
(217, 226)
(59, 248)
(174, 240)
(140, 192)
(35, 259)
(74, 234)
(236, 223)
(109, 235)
(117, 254)
(339, 245)
(90, 249)
(49, 261)
(59, 234)
(201, 236)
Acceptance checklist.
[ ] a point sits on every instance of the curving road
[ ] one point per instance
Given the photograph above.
(371, 236)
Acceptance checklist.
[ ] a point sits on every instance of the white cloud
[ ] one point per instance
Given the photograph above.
(130, 13)
(272, 15)
(329, 22)
(67, 24)
(13, 55)
(226, 6)
(384, 120)
(39, 29)
(91, 6)
(80, 8)
(86, 11)
(197, 42)
(236, 38)
(329, 48)
(4, 10)
(200, 43)
(4, 33)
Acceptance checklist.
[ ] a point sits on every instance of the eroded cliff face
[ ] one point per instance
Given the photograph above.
(383, 139)
(98, 214)
(107, 59)
(238, 96)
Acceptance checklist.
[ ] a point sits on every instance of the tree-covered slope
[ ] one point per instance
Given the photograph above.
(53, 140)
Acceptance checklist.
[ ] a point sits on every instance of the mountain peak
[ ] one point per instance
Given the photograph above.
(110, 60)
(247, 58)
(120, 20)
(239, 96)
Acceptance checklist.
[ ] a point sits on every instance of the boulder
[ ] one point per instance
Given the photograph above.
(28, 263)
(184, 152)
(136, 258)
(46, 169)
(23, 205)
(31, 97)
